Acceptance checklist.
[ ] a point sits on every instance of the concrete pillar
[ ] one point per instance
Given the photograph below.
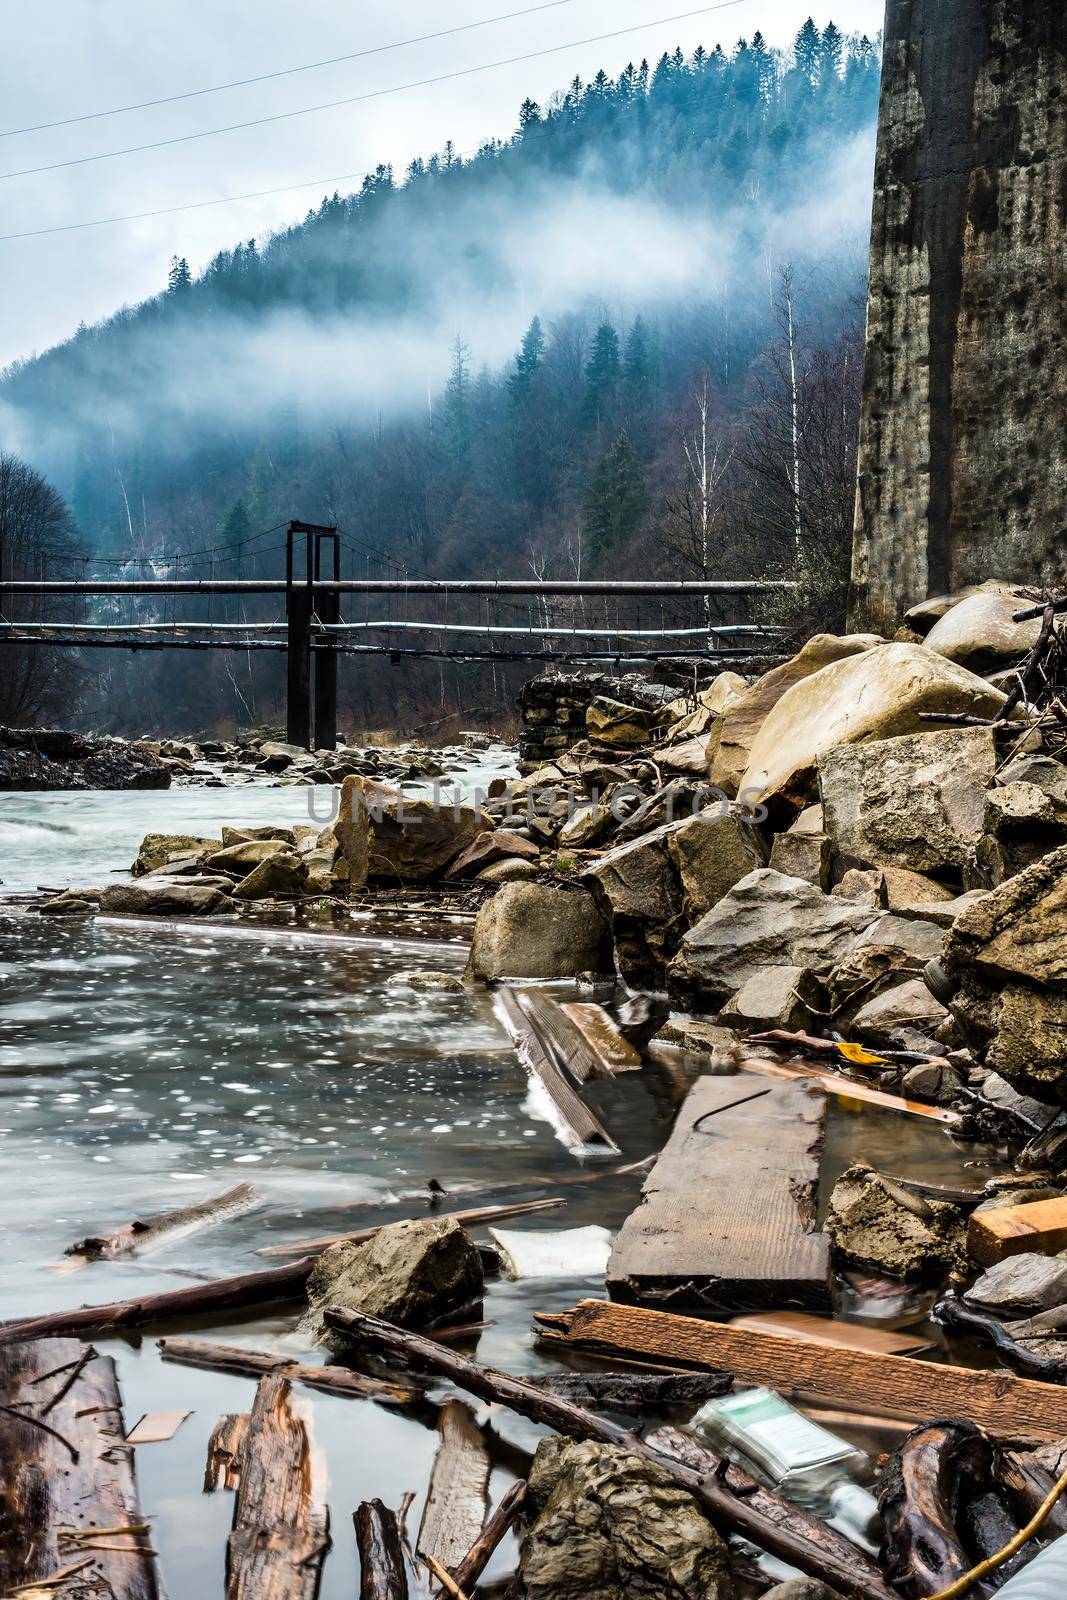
(963, 438)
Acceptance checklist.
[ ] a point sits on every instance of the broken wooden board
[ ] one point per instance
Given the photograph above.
(892, 1386)
(727, 1215)
(142, 1235)
(828, 1330)
(604, 1037)
(68, 1475)
(280, 1528)
(223, 1466)
(156, 1427)
(1011, 1230)
(457, 1500)
(834, 1083)
(567, 1038)
(578, 1128)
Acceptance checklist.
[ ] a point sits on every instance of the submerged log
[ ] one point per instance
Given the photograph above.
(611, 1048)
(223, 1466)
(953, 1313)
(636, 1392)
(727, 1509)
(924, 1488)
(381, 1556)
(134, 1238)
(280, 1530)
(894, 1386)
(466, 1219)
(458, 1497)
(581, 1129)
(68, 1475)
(268, 1286)
(256, 1363)
(474, 1563)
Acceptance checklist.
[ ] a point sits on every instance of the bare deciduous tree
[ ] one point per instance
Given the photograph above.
(37, 538)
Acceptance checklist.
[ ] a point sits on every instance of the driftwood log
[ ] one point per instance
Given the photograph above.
(257, 1363)
(953, 1313)
(280, 1531)
(133, 1238)
(1028, 1484)
(458, 1497)
(222, 1469)
(634, 1391)
(937, 1469)
(507, 1513)
(855, 1575)
(268, 1286)
(381, 1556)
(67, 1488)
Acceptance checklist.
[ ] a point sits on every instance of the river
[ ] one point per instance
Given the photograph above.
(143, 1066)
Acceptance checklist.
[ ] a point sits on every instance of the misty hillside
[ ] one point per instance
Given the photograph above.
(493, 361)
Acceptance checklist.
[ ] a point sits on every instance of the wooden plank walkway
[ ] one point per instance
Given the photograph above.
(727, 1216)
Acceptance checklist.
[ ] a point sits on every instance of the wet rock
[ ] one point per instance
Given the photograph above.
(979, 632)
(68, 904)
(352, 831)
(539, 930)
(511, 870)
(237, 860)
(874, 695)
(587, 824)
(765, 920)
(878, 1226)
(1032, 1113)
(432, 982)
(1021, 1285)
(413, 1274)
(773, 997)
(802, 855)
(917, 801)
(278, 877)
(163, 897)
(412, 841)
(157, 849)
(731, 742)
(607, 1523)
(638, 891)
(488, 848)
(900, 1011)
(711, 852)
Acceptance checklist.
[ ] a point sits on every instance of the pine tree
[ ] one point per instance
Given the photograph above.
(637, 365)
(529, 115)
(616, 500)
(237, 526)
(807, 49)
(179, 278)
(601, 373)
(457, 407)
(530, 356)
(831, 54)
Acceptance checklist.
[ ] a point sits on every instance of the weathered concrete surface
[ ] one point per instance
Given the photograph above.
(963, 452)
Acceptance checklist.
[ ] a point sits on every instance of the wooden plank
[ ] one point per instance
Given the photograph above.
(256, 1363)
(604, 1037)
(893, 1386)
(144, 1234)
(223, 1466)
(727, 1215)
(1010, 1230)
(834, 1083)
(156, 1427)
(280, 1530)
(827, 1330)
(68, 1475)
(458, 1497)
(580, 1130)
(566, 1041)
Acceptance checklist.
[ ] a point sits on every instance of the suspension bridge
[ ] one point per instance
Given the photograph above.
(313, 634)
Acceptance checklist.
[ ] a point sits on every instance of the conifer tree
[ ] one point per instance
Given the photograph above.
(179, 278)
(807, 51)
(601, 373)
(616, 500)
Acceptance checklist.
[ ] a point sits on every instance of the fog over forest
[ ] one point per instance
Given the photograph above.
(493, 363)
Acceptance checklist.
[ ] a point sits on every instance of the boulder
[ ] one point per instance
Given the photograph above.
(352, 830)
(237, 860)
(164, 897)
(874, 695)
(612, 722)
(894, 1016)
(539, 930)
(487, 848)
(606, 1524)
(1017, 932)
(916, 801)
(585, 825)
(412, 841)
(876, 1225)
(802, 855)
(765, 920)
(1020, 1285)
(773, 997)
(637, 889)
(979, 631)
(732, 739)
(157, 849)
(904, 937)
(279, 877)
(512, 870)
(711, 852)
(1019, 1031)
(1022, 823)
(903, 890)
(413, 1274)
(1044, 773)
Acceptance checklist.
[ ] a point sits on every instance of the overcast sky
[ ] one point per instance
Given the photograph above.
(65, 58)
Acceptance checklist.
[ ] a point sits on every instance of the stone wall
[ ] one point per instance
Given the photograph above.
(553, 707)
(963, 444)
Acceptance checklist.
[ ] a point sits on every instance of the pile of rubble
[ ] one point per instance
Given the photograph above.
(51, 758)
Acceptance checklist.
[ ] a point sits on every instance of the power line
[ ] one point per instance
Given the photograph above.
(284, 72)
(372, 94)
